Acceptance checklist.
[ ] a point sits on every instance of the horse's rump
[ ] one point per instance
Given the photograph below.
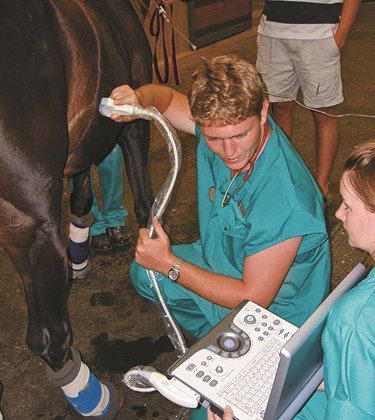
(103, 46)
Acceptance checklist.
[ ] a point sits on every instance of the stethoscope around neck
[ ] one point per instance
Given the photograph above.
(228, 196)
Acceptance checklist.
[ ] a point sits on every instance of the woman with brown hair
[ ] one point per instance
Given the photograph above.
(349, 336)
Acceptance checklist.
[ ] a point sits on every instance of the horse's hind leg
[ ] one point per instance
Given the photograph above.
(134, 140)
(34, 245)
(81, 220)
(31, 238)
(81, 388)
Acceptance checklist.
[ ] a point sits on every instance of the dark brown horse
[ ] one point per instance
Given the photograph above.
(57, 59)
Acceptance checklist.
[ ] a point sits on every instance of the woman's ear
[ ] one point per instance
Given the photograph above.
(264, 111)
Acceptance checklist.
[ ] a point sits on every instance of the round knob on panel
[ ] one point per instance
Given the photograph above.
(249, 319)
(229, 342)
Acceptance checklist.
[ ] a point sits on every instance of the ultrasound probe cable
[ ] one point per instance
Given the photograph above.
(107, 108)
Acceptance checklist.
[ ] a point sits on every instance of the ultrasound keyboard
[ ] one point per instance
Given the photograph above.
(236, 362)
(252, 386)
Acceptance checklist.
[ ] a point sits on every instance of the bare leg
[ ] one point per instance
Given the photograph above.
(282, 113)
(326, 140)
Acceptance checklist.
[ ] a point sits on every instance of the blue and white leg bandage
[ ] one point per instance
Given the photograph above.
(78, 248)
(87, 394)
(83, 390)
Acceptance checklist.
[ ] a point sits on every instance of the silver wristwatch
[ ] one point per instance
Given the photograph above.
(174, 272)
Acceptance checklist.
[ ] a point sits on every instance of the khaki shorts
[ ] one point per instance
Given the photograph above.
(312, 65)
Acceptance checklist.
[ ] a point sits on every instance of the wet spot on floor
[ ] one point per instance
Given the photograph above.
(144, 309)
(116, 355)
(155, 414)
(138, 410)
(103, 299)
(105, 263)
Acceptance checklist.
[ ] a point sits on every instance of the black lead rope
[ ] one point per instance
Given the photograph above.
(157, 26)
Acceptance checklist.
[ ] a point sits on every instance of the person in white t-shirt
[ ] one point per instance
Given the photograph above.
(299, 46)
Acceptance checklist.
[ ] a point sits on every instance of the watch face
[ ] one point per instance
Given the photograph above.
(173, 274)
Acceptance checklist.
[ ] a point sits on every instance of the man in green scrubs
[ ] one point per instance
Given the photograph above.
(262, 228)
(273, 205)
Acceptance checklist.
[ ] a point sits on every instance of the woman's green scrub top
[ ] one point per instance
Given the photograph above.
(349, 359)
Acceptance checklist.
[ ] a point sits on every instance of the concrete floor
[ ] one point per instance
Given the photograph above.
(113, 327)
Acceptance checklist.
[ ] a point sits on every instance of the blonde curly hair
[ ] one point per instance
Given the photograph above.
(225, 90)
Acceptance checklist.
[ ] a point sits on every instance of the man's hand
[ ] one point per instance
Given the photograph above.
(154, 254)
(228, 414)
(124, 95)
(340, 40)
(321, 386)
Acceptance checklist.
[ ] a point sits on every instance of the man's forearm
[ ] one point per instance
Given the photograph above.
(222, 290)
(349, 12)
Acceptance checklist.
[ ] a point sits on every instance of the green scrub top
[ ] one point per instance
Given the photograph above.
(349, 359)
(279, 201)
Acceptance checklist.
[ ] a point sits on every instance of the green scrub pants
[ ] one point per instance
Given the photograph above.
(192, 312)
(111, 177)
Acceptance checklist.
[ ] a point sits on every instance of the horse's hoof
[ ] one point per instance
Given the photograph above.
(81, 274)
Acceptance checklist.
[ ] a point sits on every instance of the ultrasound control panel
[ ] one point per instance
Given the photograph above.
(247, 336)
